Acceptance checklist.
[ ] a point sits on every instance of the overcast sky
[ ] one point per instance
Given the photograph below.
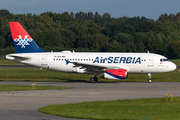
(116, 8)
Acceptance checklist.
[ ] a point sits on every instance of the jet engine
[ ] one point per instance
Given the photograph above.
(114, 74)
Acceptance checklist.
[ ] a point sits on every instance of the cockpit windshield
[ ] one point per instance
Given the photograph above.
(163, 60)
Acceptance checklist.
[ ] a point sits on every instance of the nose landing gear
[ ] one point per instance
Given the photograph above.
(150, 78)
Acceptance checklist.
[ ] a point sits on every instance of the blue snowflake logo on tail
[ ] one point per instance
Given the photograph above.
(23, 42)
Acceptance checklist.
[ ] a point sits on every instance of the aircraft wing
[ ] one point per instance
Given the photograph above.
(96, 67)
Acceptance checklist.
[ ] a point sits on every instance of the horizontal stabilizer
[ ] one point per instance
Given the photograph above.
(16, 56)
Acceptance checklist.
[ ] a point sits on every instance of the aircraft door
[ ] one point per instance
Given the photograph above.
(44, 59)
(150, 61)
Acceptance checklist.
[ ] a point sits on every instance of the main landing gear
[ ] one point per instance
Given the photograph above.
(94, 79)
(150, 79)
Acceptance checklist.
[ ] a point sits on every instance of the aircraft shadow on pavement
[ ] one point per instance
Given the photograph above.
(70, 80)
(86, 81)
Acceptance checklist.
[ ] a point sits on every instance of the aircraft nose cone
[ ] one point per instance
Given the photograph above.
(173, 66)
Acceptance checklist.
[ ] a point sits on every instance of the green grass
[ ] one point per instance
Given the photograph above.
(30, 87)
(152, 109)
(8, 62)
(36, 74)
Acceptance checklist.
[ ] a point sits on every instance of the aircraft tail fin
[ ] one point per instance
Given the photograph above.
(23, 42)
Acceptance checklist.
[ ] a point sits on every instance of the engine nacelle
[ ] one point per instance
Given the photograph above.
(114, 74)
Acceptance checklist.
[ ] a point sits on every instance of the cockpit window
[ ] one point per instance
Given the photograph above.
(163, 60)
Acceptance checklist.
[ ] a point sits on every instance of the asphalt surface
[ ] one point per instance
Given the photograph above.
(24, 105)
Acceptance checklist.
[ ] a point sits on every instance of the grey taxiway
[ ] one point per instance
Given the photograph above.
(24, 105)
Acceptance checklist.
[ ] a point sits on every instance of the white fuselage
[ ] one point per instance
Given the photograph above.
(132, 62)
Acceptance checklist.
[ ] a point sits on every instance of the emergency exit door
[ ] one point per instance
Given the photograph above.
(44, 60)
(150, 61)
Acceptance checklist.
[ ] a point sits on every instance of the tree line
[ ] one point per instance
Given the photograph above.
(91, 32)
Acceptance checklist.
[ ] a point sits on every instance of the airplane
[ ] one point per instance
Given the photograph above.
(109, 65)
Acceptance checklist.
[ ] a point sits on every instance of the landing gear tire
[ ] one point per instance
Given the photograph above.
(94, 79)
(150, 81)
(150, 78)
